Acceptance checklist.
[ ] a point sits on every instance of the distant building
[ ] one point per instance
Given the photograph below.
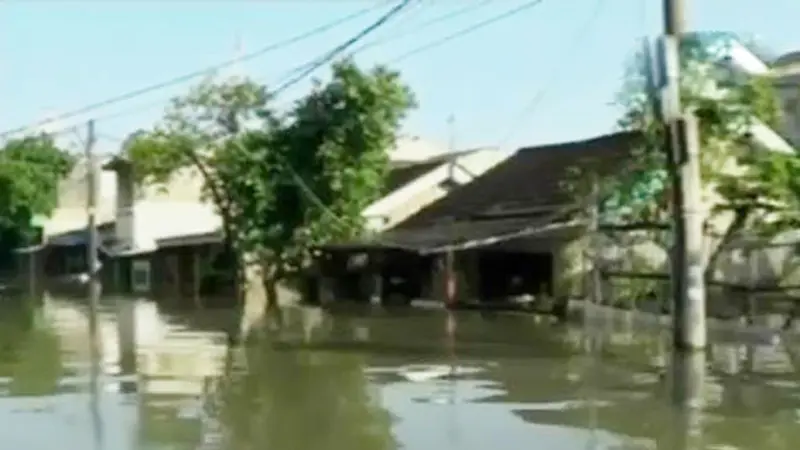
(786, 71)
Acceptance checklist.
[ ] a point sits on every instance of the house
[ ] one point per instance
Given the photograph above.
(786, 73)
(62, 253)
(508, 229)
(515, 231)
(148, 216)
(168, 240)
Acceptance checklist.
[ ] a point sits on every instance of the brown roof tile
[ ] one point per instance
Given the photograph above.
(403, 174)
(530, 180)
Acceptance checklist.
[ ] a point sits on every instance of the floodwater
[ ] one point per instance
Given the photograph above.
(371, 379)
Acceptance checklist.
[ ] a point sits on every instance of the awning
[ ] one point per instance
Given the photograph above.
(463, 235)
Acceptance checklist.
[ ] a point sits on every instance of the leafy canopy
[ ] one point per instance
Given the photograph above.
(762, 184)
(282, 182)
(30, 171)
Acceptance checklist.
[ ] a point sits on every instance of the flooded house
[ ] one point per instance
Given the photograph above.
(504, 235)
(156, 250)
(61, 254)
(168, 241)
(516, 234)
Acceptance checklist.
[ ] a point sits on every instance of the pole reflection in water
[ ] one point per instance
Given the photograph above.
(95, 363)
(128, 379)
(688, 391)
(592, 345)
(451, 326)
(126, 325)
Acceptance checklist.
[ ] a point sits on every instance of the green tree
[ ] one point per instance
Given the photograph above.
(30, 352)
(30, 170)
(282, 183)
(760, 195)
(316, 172)
(301, 398)
(195, 134)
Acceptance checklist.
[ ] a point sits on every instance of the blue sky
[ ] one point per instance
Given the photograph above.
(61, 55)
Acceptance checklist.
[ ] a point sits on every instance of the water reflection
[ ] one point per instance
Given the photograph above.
(377, 379)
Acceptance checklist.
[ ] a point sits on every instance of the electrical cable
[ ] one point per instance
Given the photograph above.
(311, 67)
(467, 30)
(556, 75)
(436, 20)
(197, 73)
(425, 24)
(310, 193)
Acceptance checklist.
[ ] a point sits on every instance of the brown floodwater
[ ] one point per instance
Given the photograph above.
(364, 378)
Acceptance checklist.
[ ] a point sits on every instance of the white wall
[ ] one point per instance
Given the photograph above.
(70, 214)
(428, 188)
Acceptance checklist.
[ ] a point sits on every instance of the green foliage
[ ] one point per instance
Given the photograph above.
(324, 164)
(726, 106)
(288, 393)
(196, 130)
(30, 170)
(282, 182)
(29, 352)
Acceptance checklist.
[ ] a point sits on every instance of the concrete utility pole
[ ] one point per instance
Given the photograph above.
(93, 268)
(688, 268)
(92, 242)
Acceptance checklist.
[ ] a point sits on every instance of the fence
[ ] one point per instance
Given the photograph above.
(630, 267)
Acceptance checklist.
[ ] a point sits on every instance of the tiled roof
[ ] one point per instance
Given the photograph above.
(515, 205)
(531, 179)
(403, 174)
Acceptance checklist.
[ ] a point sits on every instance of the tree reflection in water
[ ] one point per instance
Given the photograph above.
(302, 399)
(29, 350)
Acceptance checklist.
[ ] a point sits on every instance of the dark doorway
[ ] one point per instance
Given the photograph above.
(508, 274)
(404, 276)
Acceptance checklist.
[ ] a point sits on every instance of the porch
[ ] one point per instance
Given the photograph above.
(498, 263)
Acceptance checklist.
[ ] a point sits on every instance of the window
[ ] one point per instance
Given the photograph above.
(140, 276)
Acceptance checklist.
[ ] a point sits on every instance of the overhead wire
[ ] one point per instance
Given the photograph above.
(199, 72)
(307, 69)
(450, 37)
(287, 75)
(311, 67)
(433, 21)
(467, 30)
(556, 75)
(298, 180)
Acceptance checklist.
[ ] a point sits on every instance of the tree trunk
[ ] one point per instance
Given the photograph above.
(270, 276)
(239, 282)
(271, 293)
(735, 226)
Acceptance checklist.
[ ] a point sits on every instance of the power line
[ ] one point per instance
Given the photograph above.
(293, 72)
(426, 24)
(467, 30)
(556, 75)
(186, 77)
(310, 192)
(314, 65)
(309, 68)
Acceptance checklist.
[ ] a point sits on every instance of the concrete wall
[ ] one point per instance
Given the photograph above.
(70, 213)
(774, 263)
(411, 198)
(788, 90)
